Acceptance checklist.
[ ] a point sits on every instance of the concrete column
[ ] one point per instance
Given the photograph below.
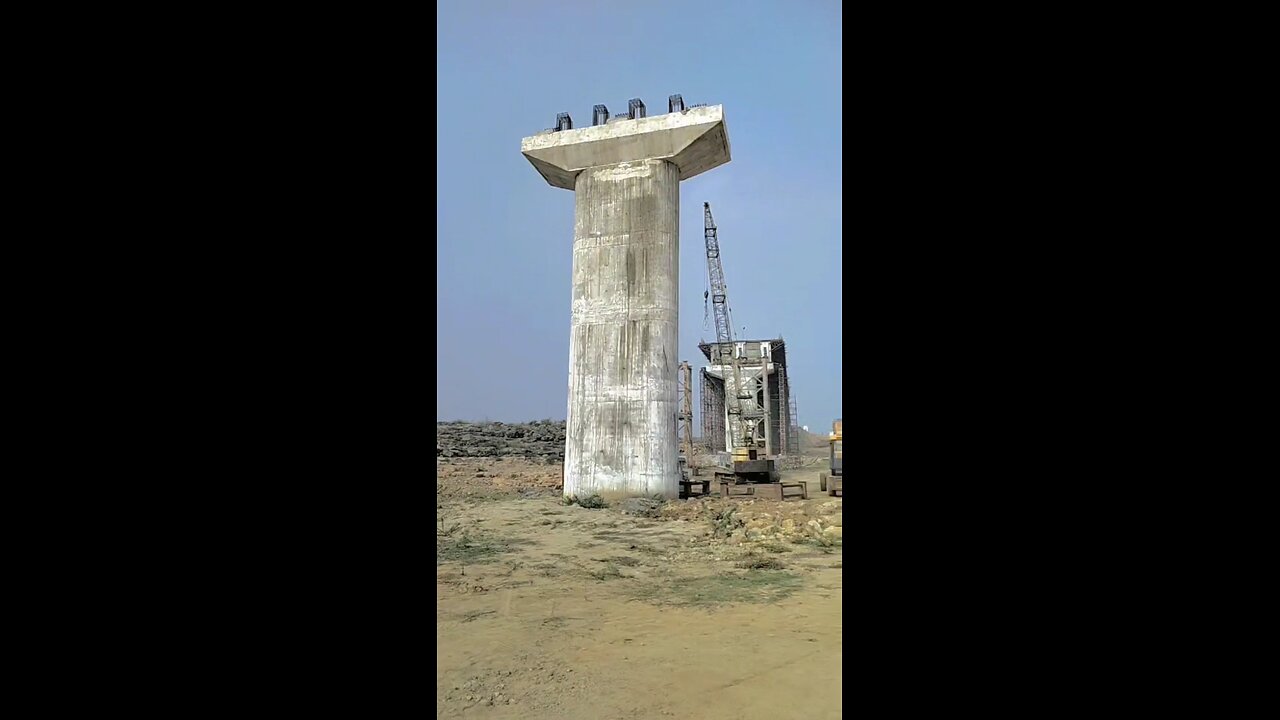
(623, 332)
(622, 406)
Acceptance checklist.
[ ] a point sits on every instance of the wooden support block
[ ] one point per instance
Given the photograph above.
(686, 488)
(759, 491)
(804, 490)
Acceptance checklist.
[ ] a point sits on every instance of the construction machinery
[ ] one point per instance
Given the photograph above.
(835, 483)
(743, 429)
(747, 463)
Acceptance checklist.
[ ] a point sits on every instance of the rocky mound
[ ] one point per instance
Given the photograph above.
(538, 439)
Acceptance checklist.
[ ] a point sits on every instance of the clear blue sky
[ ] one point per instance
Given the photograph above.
(505, 237)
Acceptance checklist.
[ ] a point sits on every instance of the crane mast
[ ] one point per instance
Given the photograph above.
(742, 426)
(719, 293)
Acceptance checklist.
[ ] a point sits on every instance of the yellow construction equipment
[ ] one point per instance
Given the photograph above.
(834, 484)
(750, 472)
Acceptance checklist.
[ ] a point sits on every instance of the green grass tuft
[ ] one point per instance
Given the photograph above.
(753, 586)
(467, 548)
(758, 562)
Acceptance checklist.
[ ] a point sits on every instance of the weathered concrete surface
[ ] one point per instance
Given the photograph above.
(695, 141)
(620, 437)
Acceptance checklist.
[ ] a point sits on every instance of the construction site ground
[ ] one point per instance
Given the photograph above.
(706, 608)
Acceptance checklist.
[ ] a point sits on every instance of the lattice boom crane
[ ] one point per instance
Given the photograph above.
(742, 429)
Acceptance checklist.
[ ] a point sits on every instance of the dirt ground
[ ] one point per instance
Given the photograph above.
(708, 608)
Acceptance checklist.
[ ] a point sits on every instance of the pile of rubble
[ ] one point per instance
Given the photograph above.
(540, 439)
(767, 527)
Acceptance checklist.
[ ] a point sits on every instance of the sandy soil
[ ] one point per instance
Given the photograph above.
(709, 609)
